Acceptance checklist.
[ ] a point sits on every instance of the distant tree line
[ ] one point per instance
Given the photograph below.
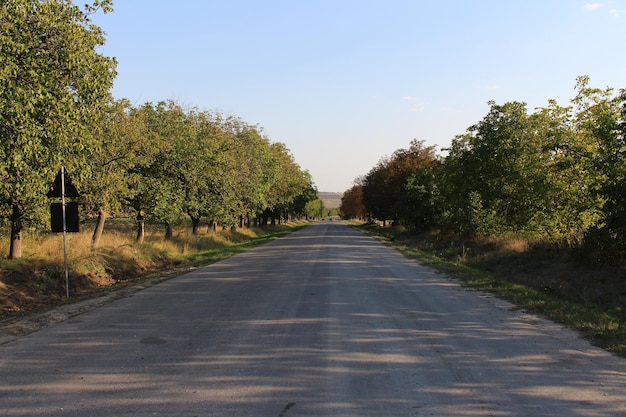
(160, 161)
(557, 174)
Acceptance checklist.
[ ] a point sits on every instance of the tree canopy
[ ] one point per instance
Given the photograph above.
(162, 162)
(556, 173)
(54, 88)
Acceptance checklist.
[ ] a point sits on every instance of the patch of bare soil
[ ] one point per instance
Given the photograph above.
(33, 288)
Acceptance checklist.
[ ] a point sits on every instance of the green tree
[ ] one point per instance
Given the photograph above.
(158, 193)
(290, 182)
(495, 173)
(568, 207)
(421, 202)
(54, 87)
(385, 186)
(600, 128)
(307, 202)
(206, 169)
(410, 179)
(255, 169)
(314, 209)
(125, 144)
(377, 194)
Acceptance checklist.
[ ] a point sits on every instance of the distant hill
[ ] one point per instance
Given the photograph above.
(330, 200)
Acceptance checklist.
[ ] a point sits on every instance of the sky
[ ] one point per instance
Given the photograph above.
(344, 83)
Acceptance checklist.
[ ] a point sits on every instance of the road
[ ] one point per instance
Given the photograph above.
(323, 322)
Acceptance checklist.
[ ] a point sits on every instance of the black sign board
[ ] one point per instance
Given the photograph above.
(71, 217)
(70, 189)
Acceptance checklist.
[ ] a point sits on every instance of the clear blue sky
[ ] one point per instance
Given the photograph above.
(344, 83)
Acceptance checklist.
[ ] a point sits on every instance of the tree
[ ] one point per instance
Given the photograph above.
(125, 144)
(352, 202)
(158, 192)
(384, 187)
(421, 206)
(495, 174)
(408, 178)
(53, 89)
(314, 209)
(255, 171)
(377, 195)
(290, 182)
(207, 169)
(307, 202)
(600, 126)
(568, 207)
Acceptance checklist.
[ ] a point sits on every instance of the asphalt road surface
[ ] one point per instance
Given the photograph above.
(323, 322)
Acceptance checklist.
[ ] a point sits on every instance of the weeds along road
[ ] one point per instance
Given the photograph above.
(323, 322)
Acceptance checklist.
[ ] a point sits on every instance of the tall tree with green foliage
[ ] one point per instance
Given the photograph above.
(385, 186)
(568, 207)
(125, 145)
(291, 181)
(158, 194)
(255, 169)
(422, 200)
(600, 115)
(494, 175)
(214, 187)
(377, 194)
(409, 168)
(314, 209)
(54, 86)
(300, 204)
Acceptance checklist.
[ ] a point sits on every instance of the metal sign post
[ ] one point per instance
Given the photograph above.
(60, 223)
(67, 270)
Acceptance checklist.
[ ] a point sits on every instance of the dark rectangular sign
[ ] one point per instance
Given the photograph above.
(71, 217)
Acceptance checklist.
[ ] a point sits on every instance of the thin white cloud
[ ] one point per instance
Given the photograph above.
(591, 7)
(594, 6)
(417, 105)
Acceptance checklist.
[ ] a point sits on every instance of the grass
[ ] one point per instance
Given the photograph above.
(37, 280)
(535, 276)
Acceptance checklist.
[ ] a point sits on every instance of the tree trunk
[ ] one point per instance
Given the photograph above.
(195, 225)
(15, 250)
(168, 231)
(97, 233)
(141, 227)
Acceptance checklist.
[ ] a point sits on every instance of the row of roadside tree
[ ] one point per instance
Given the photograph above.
(556, 174)
(159, 161)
